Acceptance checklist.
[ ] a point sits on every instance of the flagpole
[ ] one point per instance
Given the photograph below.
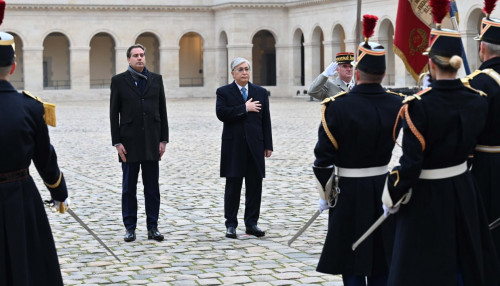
(358, 24)
(455, 24)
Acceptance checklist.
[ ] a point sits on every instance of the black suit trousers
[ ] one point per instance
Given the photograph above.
(253, 194)
(150, 176)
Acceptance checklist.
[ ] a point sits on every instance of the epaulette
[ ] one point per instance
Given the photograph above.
(493, 74)
(417, 95)
(490, 72)
(332, 98)
(50, 109)
(396, 93)
(481, 93)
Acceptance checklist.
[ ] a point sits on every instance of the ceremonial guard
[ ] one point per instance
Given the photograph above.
(355, 136)
(442, 237)
(486, 163)
(323, 87)
(27, 250)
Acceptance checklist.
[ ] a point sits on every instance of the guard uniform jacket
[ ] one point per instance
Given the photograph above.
(486, 165)
(361, 123)
(27, 251)
(442, 229)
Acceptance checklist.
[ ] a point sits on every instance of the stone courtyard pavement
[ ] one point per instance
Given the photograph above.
(195, 251)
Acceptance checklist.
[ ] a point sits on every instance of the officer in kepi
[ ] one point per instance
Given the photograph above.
(27, 250)
(323, 87)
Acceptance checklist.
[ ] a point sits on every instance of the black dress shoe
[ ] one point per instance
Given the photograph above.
(231, 232)
(255, 230)
(129, 235)
(153, 233)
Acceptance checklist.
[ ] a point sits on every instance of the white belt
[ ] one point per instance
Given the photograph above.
(434, 174)
(488, 149)
(362, 172)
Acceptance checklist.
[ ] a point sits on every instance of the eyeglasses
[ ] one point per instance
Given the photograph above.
(242, 69)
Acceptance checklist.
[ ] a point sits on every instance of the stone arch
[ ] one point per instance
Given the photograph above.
(298, 57)
(472, 46)
(338, 40)
(191, 60)
(152, 44)
(56, 61)
(318, 51)
(386, 39)
(264, 58)
(223, 59)
(102, 60)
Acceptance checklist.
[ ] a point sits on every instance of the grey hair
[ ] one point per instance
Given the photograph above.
(238, 61)
(494, 49)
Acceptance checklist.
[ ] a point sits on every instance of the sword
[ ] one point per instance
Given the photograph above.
(494, 224)
(314, 217)
(70, 211)
(381, 219)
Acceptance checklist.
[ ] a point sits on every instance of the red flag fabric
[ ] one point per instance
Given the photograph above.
(411, 38)
(411, 35)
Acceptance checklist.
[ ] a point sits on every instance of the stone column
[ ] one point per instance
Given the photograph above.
(80, 68)
(33, 68)
(170, 67)
(329, 52)
(121, 63)
(351, 46)
(210, 80)
(311, 62)
(222, 66)
(283, 66)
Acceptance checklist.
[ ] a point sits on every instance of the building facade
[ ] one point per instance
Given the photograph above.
(72, 48)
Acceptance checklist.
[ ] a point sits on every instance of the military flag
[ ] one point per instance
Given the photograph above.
(411, 37)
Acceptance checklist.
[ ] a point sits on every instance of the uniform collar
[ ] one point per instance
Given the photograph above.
(368, 88)
(491, 63)
(6, 86)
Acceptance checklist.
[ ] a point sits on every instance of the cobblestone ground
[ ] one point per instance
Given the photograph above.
(195, 251)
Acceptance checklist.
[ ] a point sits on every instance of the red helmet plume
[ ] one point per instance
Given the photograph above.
(489, 5)
(2, 10)
(439, 9)
(369, 22)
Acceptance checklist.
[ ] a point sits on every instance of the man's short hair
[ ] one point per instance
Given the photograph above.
(238, 61)
(129, 50)
(371, 77)
(493, 49)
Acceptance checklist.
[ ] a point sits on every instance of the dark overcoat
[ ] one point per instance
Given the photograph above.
(443, 228)
(138, 120)
(486, 165)
(243, 128)
(362, 123)
(27, 251)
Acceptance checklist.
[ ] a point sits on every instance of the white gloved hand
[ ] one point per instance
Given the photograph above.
(61, 206)
(389, 210)
(331, 69)
(323, 205)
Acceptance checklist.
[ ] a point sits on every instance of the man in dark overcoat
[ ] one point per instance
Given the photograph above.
(356, 137)
(139, 131)
(486, 163)
(246, 140)
(27, 250)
